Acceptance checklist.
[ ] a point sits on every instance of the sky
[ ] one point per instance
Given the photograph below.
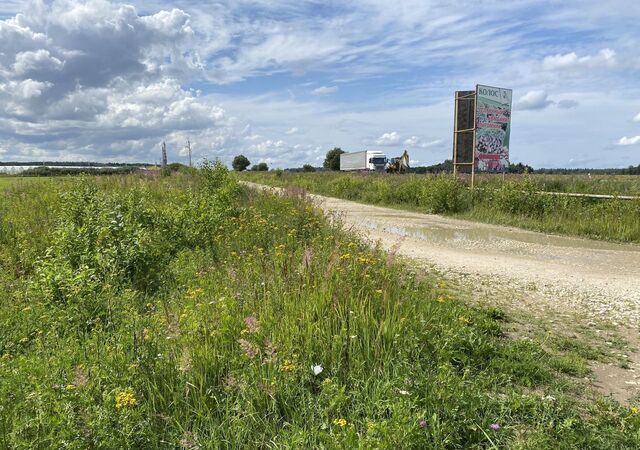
(284, 81)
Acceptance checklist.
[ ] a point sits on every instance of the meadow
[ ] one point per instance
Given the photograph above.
(10, 181)
(190, 312)
(516, 200)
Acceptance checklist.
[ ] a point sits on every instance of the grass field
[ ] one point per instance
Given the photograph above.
(7, 181)
(188, 312)
(582, 184)
(515, 201)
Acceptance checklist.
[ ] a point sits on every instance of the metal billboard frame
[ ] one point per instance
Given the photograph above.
(464, 96)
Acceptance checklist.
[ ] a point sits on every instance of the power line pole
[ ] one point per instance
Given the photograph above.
(189, 148)
(164, 154)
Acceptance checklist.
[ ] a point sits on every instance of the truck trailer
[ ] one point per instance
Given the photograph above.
(373, 160)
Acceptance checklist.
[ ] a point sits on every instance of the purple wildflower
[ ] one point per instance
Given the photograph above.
(251, 323)
(423, 423)
(494, 426)
(250, 350)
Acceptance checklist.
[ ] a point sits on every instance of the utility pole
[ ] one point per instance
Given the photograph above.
(164, 154)
(189, 148)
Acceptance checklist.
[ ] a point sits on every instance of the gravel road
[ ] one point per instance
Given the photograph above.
(599, 278)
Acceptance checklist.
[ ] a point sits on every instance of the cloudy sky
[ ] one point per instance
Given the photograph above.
(283, 81)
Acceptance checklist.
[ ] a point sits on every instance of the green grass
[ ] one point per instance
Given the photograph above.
(516, 202)
(188, 312)
(8, 181)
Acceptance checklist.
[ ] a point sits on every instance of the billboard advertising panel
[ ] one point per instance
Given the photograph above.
(493, 128)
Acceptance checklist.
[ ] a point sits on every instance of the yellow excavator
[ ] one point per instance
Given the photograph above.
(399, 164)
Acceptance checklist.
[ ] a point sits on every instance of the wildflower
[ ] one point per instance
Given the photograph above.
(327, 381)
(494, 426)
(317, 370)
(403, 392)
(287, 366)
(248, 348)
(269, 350)
(251, 323)
(231, 382)
(146, 334)
(189, 441)
(422, 423)
(126, 399)
(341, 422)
(70, 387)
(634, 409)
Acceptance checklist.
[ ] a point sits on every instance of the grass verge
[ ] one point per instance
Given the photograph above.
(187, 312)
(516, 202)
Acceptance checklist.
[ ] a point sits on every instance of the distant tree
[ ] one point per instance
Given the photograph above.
(520, 168)
(332, 160)
(240, 163)
(310, 168)
(260, 167)
(443, 167)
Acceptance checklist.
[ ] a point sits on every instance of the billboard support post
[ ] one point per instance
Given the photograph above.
(455, 134)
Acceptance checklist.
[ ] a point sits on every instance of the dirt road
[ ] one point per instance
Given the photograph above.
(601, 278)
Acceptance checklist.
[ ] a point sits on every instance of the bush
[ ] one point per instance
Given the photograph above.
(521, 199)
(444, 194)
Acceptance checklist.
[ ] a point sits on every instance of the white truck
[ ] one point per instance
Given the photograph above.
(373, 160)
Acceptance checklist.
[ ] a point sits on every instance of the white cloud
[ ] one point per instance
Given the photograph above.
(40, 60)
(629, 140)
(392, 138)
(533, 100)
(412, 141)
(569, 61)
(325, 90)
(637, 118)
(292, 130)
(416, 142)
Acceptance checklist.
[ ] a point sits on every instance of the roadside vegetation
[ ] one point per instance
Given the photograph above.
(191, 312)
(515, 201)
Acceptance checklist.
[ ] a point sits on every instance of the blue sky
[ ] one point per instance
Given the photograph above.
(283, 81)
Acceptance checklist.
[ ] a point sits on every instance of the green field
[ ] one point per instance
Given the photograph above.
(515, 201)
(190, 312)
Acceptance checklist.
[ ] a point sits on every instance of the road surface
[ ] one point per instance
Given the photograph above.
(601, 279)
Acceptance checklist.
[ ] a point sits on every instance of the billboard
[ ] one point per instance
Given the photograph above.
(492, 128)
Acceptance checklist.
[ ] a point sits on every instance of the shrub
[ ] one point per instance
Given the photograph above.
(444, 194)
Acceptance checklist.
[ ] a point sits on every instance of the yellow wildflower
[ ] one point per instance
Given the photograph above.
(287, 366)
(341, 422)
(327, 381)
(126, 399)
(634, 409)
(70, 387)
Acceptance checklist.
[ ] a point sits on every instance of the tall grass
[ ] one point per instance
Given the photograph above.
(516, 201)
(187, 312)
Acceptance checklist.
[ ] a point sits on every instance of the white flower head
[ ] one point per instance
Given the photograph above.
(317, 370)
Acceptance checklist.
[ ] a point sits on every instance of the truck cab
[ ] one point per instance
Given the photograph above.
(377, 161)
